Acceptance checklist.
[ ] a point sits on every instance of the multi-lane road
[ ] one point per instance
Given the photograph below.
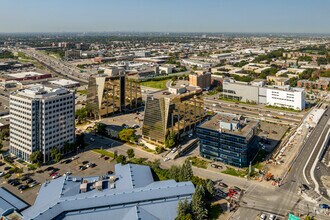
(57, 66)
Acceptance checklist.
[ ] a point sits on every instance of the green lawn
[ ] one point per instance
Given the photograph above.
(197, 162)
(83, 92)
(281, 108)
(234, 172)
(161, 84)
(104, 152)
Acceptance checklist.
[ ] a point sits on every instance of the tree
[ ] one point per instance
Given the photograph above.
(170, 140)
(36, 157)
(58, 157)
(322, 61)
(121, 159)
(198, 205)
(81, 115)
(80, 141)
(54, 152)
(1, 144)
(184, 210)
(100, 128)
(126, 134)
(130, 153)
(186, 171)
(210, 188)
(175, 173)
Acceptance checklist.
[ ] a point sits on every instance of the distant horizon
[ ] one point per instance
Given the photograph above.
(221, 16)
(162, 32)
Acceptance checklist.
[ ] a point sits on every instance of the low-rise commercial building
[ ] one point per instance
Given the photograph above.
(197, 63)
(228, 138)
(129, 193)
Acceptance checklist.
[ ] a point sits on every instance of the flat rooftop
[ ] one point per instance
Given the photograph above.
(24, 74)
(214, 124)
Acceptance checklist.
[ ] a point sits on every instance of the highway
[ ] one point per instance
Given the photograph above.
(57, 66)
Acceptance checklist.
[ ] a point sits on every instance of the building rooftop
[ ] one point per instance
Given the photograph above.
(244, 127)
(24, 74)
(130, 193)
(64, 82)
(41, 91)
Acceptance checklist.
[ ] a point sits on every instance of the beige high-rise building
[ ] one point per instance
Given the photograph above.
(41, 118)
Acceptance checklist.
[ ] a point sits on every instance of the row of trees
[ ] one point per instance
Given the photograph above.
(56, 154)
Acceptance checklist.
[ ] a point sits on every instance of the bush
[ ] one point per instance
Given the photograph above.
(160, 150)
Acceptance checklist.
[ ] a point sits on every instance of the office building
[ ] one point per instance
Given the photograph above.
(42, 118)
(111, 94)
(176, 114)
(228, 138)
(142, 53)
(129, 193)
(281, 96)
(201, 79)
(74, 54)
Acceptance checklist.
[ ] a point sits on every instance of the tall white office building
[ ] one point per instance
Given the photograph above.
(42, 118)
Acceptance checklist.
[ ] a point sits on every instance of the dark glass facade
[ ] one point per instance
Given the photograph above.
(225, 147)
(108, 95)
(177, 115)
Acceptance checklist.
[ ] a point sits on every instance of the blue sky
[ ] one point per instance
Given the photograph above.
(294, 16)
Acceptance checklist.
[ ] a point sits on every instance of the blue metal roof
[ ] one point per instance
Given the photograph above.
(135, 194)
(9, 198)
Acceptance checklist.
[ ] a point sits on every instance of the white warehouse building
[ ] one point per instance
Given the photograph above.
(293, 98)
(283, 96)
(42, 118)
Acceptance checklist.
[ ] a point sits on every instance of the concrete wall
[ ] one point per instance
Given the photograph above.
(241, 91)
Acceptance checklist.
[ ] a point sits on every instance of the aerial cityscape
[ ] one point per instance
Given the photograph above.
(165, 110)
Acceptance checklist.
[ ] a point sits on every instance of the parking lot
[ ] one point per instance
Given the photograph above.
(29, 195)
(127, 119)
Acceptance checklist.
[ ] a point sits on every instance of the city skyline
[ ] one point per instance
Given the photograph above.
(170, 16)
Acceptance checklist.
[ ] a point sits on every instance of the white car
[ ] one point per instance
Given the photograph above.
(166, 159)
(272, 217)
(263, 216)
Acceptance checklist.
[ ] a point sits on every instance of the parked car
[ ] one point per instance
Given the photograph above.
(272, 217)
(7, 168)
(22, 187)
(106, 158)
(110, 172)
(2, 173)
(324, 206)
(15, 183)
(263, 216)
(2, 163)
(166, 159)
(28, 181)
(33, 184)
(85, 162)
(25, 177)
(305, 187)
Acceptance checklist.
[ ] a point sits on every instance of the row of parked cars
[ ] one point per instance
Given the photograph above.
(86, 164)
(24, 183)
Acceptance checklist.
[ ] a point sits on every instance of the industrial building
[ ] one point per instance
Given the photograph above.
(176, 114)
(228, 138)
(129, 193)
(109, 94)
(41, 118)
(281, 96)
